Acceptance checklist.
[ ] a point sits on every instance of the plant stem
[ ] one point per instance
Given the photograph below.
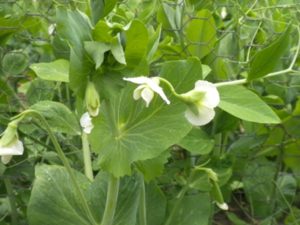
(65, 162)
(111, 201)
(88, 171)
(177, 204)
(142, 206)
(12, 201)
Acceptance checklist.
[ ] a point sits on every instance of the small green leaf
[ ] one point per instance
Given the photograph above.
(136, 45)
(244, 104)
(14, 63)
(96, 51)
(101, 8)
(266, 60)
(152, 168)
(201, 34)
(197, 142)
(57, 70)
(117, 50)
(59, 117)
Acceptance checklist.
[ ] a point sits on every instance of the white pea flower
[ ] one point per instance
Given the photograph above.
(10, 144)
(147, 87)
(86, 123)
(222, 206)
(201, 101)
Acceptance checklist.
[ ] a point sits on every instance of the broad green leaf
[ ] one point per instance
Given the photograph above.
(131, 132)
(137, 46)
(128, 198)
(244, 104)
(100, 8)
(201, 34)
(96, 51)
(60, 203)
(57, 70)
(59, 117)
(152, 168)
(193, 210)
(14, 63)
(266, 60)
(258, 186)
(75, 28)
(197, 142)
(156, 205)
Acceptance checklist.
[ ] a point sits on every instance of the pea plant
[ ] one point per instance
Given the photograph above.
(149, 112)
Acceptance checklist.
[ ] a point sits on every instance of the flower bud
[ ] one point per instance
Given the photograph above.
(92, 99)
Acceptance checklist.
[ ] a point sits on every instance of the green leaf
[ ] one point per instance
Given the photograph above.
(197, 142)
(57, 70)
(266, 60)
(14, 63)
(258, 183)
(96, 51)
(201, 33)
(75, 28)
(193, 210)
(128, 198)
(102, 32)
(40, 90)
(117, 50)
(136, 46)
(244, 104)
(131, 132)
(152, 168)
(156, 205)
(153, 43)
(101, 8)
(59, 117)
(60, 203)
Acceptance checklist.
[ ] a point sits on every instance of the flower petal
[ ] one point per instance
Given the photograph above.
(86, 123)
(6, 158)
(211, 98)
(16, 148)
(137, 80)
(137, 93)
(204, 116)
(147, 94)
(153, 84)
(222, 206)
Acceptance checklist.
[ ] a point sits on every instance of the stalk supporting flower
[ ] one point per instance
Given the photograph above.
(147, 87)
(10, 144)
(86, 123)
(201, 102)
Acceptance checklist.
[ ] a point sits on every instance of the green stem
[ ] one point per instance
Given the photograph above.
(88, 171)
(142, 206)
(65, 162)
(111, 201)
(170, 86)
(12, 201)
(176, 206)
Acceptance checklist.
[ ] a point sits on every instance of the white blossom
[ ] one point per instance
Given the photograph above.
(201, 100)
(147, 87)
(7, 151)
(222, 206)
(86, 123)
